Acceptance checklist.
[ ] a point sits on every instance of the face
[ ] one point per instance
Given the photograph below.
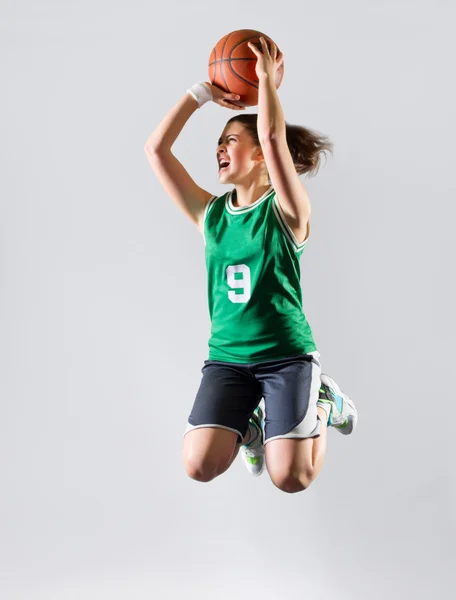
(237, 155)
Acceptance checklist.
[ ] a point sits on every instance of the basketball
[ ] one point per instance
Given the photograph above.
(232, 65)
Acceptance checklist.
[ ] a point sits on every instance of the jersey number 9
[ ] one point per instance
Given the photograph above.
(240, 283)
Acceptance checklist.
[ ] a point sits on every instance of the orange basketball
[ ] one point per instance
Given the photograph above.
(232, 65)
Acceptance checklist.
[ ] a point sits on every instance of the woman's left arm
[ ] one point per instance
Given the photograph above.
(290, 191)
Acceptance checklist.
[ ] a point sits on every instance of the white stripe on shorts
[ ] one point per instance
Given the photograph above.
(310, 425)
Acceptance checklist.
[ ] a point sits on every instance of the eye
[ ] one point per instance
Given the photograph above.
(228, 139)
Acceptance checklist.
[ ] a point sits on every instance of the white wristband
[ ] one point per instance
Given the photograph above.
(201, 92)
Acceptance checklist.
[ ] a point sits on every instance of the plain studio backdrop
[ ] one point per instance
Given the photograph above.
(104, 318)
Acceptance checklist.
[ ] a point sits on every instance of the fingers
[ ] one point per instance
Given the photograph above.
(230, 101)
(226, 99)
(256, 50)
(253, 48)
(274, 53)
(229, 104)
(264, 46)
(271, 52)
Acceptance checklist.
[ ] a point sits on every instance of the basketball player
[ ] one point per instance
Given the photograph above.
(261, 345)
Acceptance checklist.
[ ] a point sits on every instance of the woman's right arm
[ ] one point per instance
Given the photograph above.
(178, 184)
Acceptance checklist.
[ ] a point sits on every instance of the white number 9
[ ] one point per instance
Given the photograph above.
(236, 284)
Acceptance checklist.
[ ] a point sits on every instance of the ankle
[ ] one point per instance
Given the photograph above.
(324, 411)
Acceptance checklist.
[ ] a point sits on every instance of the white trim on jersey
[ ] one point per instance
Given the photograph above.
(208, 208)
(286, 228)
(236, 210)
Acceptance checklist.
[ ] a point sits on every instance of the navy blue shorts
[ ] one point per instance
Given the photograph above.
(230, 392)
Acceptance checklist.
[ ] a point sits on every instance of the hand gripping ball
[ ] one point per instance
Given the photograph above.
(232, 65)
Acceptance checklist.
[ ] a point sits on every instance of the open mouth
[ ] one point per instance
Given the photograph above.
(224, 164)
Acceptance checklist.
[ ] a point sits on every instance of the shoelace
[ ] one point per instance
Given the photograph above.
(330, 394)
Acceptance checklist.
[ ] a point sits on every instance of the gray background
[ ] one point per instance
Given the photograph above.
(104, 320)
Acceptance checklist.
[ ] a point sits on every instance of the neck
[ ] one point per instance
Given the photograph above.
(245, 195)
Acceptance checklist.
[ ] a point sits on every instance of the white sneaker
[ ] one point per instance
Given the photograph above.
(253, 452)
(343, 414)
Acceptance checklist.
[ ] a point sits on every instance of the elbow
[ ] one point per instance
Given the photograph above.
(266, 138)
(153, 148)
(149, 148)
(272, 137)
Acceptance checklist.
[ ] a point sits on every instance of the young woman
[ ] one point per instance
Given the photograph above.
(261, 345)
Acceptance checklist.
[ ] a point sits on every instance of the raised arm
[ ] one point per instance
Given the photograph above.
(291, 193)
(187, 195)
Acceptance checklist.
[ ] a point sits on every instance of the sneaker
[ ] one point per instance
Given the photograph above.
(343, 414)
(253, 452)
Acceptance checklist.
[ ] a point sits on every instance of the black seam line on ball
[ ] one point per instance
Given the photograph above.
(214, 50)
(247, 40)
(242, 78)
(221, 70)
(228, 60)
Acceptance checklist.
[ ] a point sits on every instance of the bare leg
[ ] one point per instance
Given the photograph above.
(209, 452)
(294, 463)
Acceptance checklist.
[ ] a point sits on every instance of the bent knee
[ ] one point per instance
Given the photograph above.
(207, 452)
(200, 470)
(292, 481)
(204, 469)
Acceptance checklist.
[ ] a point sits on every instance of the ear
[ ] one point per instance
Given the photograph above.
(258, 154)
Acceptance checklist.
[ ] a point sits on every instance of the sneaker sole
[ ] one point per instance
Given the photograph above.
(349, 426)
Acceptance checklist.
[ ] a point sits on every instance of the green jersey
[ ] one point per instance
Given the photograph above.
(254, 290)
